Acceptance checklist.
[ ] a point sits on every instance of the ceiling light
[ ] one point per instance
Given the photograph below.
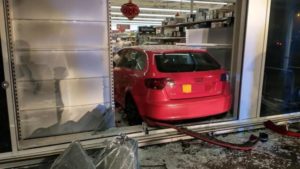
(138, 18)
(128, 21)
(143, 14)
(158, 9)
(198, 2)
(137, 23)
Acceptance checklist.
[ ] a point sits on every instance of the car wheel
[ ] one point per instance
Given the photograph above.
(132, 113)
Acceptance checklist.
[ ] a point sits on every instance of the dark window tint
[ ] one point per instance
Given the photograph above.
(141, 60)
(281, 88)
(185, 62)
(121, 58)
(132, 59)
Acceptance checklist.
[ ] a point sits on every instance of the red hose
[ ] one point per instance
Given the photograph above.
(247, 146)
(280, 129)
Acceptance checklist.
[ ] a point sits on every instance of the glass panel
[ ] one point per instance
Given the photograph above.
(59, 35)
(59, 93)
(185, 62)
(141, 61)
(60, 10)
(281, 88)
(60, 66)
(42, 65)
(57, 121)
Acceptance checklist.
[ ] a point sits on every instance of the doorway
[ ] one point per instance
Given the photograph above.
(5, 143)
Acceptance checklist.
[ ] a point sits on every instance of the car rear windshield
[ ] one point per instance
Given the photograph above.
(185, 62)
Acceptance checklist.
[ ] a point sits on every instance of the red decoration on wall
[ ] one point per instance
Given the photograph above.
(130, 10)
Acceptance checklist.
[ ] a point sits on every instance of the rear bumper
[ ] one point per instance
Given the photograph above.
(186, 109)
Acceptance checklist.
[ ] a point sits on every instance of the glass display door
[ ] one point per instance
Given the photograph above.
(281, 85)
(60, 67)
(5, 144)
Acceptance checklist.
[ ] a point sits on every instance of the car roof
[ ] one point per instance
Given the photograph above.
(167, 48)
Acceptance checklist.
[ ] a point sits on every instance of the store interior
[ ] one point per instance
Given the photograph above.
(58, 81)
(63, 84)
(170, 21)
(207, 25)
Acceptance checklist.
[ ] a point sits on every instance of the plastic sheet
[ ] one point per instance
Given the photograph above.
(74, 157)
(121, 153)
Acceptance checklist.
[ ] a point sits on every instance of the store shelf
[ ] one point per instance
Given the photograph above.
(167, 38)
(205, 45)
(193, 23)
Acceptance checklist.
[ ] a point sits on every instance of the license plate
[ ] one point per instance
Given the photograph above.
(187, 88)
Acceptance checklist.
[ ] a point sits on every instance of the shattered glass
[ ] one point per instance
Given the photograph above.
(121, 153)
(74, 157)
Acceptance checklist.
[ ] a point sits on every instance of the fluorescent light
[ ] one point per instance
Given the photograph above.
(136, 22)
(133, 23)
(198, 2)
(158, 9)
(143, 14)
(138, 18)
(127, 21)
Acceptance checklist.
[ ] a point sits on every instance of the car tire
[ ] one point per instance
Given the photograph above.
(132, 112)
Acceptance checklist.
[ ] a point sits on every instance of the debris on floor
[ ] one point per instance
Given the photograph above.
(277, 153)
(121, 153)
(246, 146)
(281, 129)
(273, 152)
(74, 157)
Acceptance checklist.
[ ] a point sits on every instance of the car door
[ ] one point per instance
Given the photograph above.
(119, 62)
(129, 73)
(126, 74)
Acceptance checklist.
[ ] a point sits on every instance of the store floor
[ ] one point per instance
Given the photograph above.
(278, 153)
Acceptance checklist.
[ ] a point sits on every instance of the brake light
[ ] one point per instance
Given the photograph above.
(224, 77)
(156, 83)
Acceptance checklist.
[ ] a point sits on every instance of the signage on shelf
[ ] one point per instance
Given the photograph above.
(123, 27)
(147, 30)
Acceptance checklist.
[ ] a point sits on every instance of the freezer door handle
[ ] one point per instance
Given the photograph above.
(5, 85)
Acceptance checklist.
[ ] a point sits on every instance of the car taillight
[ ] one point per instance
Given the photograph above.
(224, 77)
(156, 83)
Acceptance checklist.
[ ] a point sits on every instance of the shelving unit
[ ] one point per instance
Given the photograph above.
(167, 38)
(194, 23)
(176, 33)
(206, 45)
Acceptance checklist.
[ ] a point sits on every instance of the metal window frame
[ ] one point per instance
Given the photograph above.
(18, 144)
(8, 77)
(264, 51)
(253, 49)
(254, 58)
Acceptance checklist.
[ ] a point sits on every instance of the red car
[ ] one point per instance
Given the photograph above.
(169, 83)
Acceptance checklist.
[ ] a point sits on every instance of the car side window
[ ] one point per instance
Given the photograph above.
(141, 60)
(126, 59)
(123, 59)
(132, 59)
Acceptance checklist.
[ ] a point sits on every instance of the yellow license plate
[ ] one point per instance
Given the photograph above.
(187, 88)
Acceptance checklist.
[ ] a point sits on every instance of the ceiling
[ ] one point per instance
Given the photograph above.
(170, 4)
(153, 12)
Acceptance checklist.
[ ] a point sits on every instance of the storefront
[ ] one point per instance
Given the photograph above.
(57, 80)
